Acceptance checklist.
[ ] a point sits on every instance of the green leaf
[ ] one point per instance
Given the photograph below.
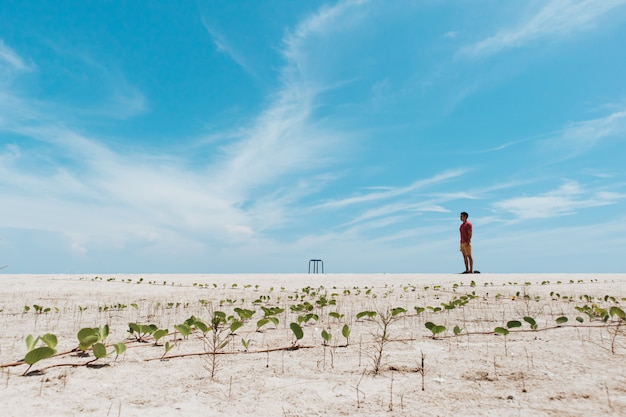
(99, 351)
(297, 330)
(132, 328)
(200, 325)
(579, 319)
(87, 342)
(501, 330)
(235, 325)
(561, 320)
(345, 331)
(261, 323)
(397, 310)
(168, 346)
(616, 311)
(530, 321)
(87, 332)
(438, 329)
(326, 335)
(419, 310)
(159, 334)
(274, 320)
(103, 332)
(31, 342)
(120, 348)
(429, 325)
(183, 329)
(362, 314)
(513, 323)
(50, 340)
(457, 330)
(38, 354)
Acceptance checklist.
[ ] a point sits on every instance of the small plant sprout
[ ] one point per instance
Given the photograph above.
(168, 346)
(89, 336)
(35, 354)
(184, 329)
(367, 314)
(159, 334)
(297, 332)
(141, 331)
(246, 343)
(327, 336)
(504, 332)
(531, 321)
(435, 329)
(345, 332)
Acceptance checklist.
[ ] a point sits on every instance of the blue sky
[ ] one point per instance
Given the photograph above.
(251, 136)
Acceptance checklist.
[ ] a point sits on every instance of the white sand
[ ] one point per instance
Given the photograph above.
(565, 371)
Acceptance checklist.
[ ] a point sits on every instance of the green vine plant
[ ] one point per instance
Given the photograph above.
(434, 329)
(345, 332)
(297, 332)
(215, 343)
(35, 354)
(141, 331)
(326, 336)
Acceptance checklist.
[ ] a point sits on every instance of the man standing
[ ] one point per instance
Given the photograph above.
(466, 243)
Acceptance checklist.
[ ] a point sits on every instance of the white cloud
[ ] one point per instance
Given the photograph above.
(392, 192)
(566, 200)
(9, 56)
(555, 18)
(579, 137)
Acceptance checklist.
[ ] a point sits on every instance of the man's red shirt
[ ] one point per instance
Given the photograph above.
(466, 230)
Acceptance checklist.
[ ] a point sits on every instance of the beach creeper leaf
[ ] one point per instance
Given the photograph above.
(513, 323)
(120, 348)
(419, 310)
(326, 336)
(261, 323)
(183, 329)
(159, 334)
(616, 311)
(345, 331)
(501, 330)
(457, 330)
(38, 354)
(561, 320)
(438, 329)
(274, 320)
(297, 330)
(200, 325)
(103, 332)
(429, 325)
(31, 342)
(579, 319)
(530, 320)
(50, 340)
(99, 351)
(235, 325)
(397, 310)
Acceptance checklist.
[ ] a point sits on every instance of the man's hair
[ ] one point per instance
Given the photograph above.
(464, 213)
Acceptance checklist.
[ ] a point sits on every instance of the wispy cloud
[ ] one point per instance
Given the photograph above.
(10, 57)
(579, 137)
(555, 18)
(224, 46)
(393, 192)
(566, 200)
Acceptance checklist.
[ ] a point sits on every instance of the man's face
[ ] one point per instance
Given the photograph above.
(463, 218)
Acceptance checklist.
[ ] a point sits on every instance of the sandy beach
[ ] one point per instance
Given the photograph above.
(416, 345)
